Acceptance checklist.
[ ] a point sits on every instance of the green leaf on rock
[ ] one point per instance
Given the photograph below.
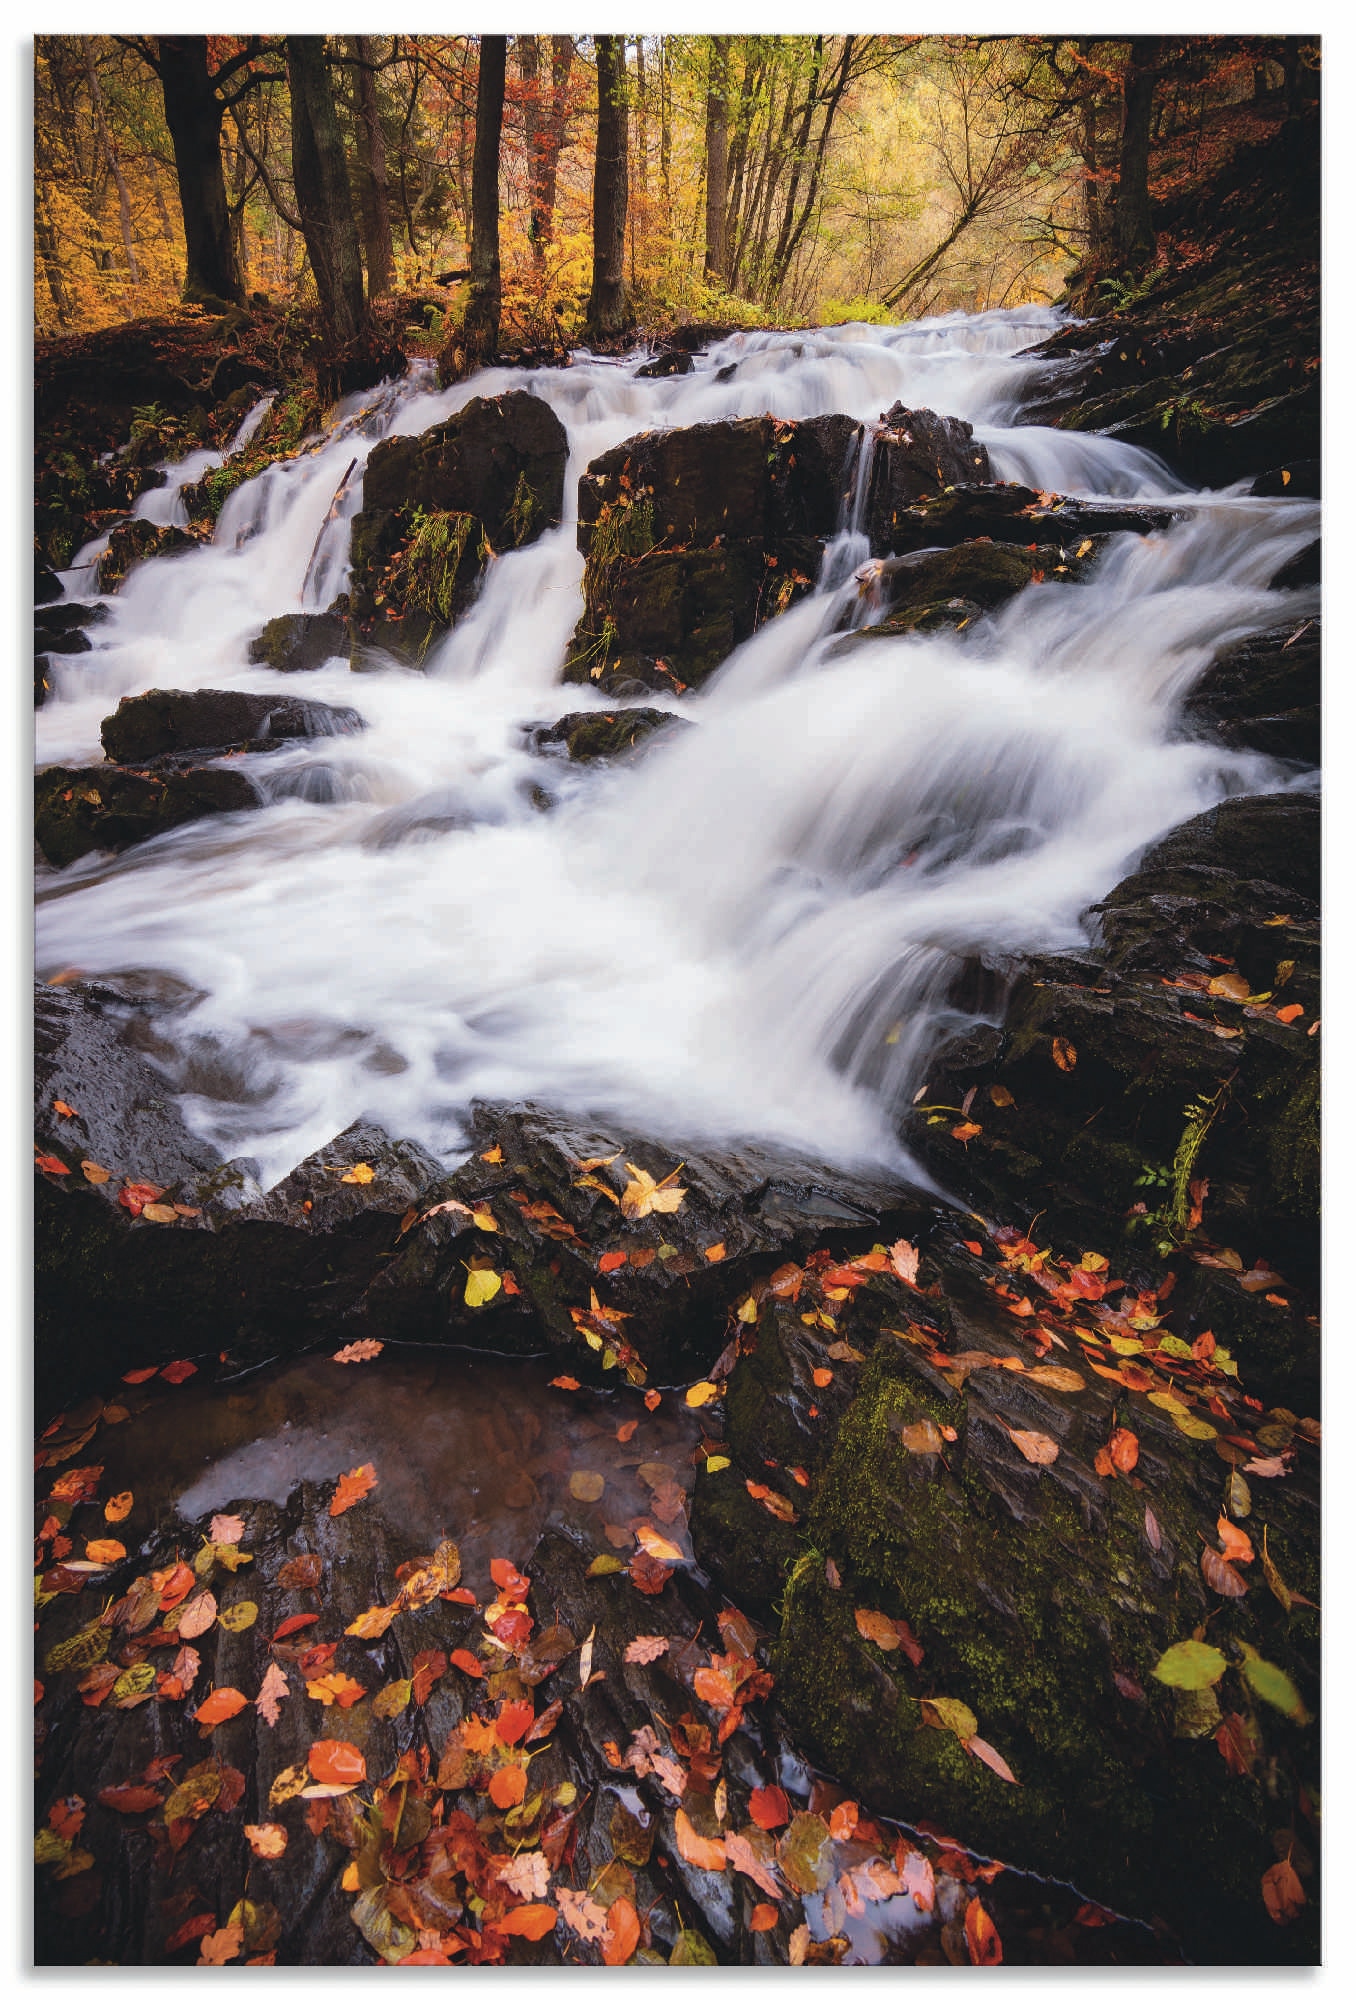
(1190, 1664)
(1273, 1684)
(692, 1949)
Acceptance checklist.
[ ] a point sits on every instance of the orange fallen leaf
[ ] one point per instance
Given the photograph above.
(714, 1253)
(508, 1787)
(694, 1848)
(1064, 1053)
(653, 1399)
(563, 1382)
(529, 1920)
(1123, 1446)
(104, 1552)
(1290, 1013)
(981, 1937)
(658, 1546)
(468, 1663)
(625, 1432)
(966, 1132)
(334, 1687)
(763, 1917)
(352, 1487)
(219, 1707)
(359, 1350)
(843, 1820)
(769, 1807)
(822, 1377)
(64, 1110)
(94, 1173)
(1237, 1546)
(874, 1625)
(624, 1925)
(334, 1762)
(118, 1508)
(50, 1164)
(177, 1371)
(268, 1840)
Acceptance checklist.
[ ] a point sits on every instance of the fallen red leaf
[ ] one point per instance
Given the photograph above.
(50, 1164)
(334, 1762)
(179, 1371)
(769, 1807)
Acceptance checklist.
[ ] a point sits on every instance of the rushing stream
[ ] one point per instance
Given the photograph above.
(757, 927)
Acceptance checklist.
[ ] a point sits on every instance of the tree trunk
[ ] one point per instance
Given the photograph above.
(376, 195)
(665, 130)
(1135, 240)
(480, 328)
(642, 122)
(527, 48)
(193, 113)
(717, 264)
(562, 62)
(609, 309)
(325, 207)
(110, 153)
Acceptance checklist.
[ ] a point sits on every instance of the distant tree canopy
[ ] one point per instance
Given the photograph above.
(621, 179)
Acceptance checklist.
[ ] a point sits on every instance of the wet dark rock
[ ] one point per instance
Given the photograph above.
(434, 506)
(165, 720)
(1302, 569)
(47, 585)
(60, 629)
(133, 542)
(1264, 694)
(1013, 513)
(916, 454)
(589, 737)
(104, 807)
(938, 587)
(749, 478)
(695, 537)
(261, 1273)
(1168, 1084)
(1298, 479)
(300, 641)
(669, 618)
(677, 361)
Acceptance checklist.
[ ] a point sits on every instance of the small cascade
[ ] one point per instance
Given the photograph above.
(758, 928)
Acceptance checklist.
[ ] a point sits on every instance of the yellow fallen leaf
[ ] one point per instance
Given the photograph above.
(701, 1392)
(644, 1195)
(481, 1287)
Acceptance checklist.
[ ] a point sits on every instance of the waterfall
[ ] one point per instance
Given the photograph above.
(758, 927)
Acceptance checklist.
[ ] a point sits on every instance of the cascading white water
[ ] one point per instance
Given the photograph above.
(754, 929)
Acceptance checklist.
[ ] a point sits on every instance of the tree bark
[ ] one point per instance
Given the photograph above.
(609, 309)
(325, 207)
(1134, 229)
(642, 122)
(375, 192)
(717, 264)
(527, 48)
(193, 113)
(480, 328)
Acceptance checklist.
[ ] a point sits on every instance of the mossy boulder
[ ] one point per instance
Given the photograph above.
(1163, 1073)
(132, 543)
(669, 618)
(103, 807)
(954, 587)
(300, 641)
(592, 738)
(437, 506)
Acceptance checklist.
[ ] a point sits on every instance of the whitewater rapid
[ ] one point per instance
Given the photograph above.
(760, 926)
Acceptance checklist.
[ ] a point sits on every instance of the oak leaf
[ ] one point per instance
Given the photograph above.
(352, 1487)
(274, 1691)
(359, 1350)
